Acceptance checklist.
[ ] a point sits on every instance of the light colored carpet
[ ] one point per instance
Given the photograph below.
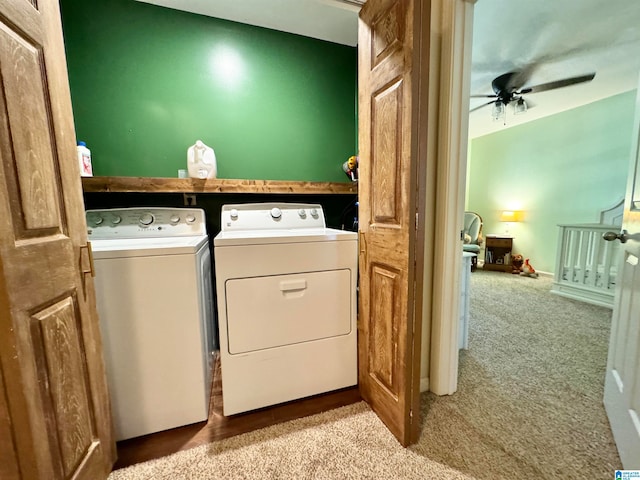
(346, 443)
(529, 406)
(531, 383)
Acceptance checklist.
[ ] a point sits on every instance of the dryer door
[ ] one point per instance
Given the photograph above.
(278, 310)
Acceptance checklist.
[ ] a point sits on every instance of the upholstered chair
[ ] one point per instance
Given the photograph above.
(472, 232)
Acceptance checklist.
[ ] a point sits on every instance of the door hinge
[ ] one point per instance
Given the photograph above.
(86, 261)
(417, 220)
(87, 267)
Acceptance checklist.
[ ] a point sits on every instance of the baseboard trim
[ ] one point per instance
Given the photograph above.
(424, 384)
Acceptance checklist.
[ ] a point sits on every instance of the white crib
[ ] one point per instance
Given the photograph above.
(585, 263)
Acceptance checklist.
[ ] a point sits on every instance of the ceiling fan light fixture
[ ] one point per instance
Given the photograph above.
(508, 89)
(498, 111)
(519, 106)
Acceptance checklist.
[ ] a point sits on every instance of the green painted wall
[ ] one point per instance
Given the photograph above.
(147, 82)
(560, 169)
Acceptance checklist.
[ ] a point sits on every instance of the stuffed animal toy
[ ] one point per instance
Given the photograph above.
(528, 270)
(516, 263)
(350, 167)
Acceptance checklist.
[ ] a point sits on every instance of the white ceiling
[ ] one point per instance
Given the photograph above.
(332, 20)
(563, 38)
(566, 38)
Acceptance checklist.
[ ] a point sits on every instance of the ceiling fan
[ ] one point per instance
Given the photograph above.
(508, 88)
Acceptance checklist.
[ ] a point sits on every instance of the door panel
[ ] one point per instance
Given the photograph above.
(386, 113)
(59, 356)
(54, 408)
(389, 321)
(622, 382)
(387, 30)
(34, 166)
(383, 354)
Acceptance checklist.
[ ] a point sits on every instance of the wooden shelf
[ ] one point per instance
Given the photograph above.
(196, 185)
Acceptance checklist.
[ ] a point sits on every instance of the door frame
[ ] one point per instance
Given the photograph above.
(451, 37)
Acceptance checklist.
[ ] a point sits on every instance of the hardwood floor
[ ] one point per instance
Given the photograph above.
(156, 445)
(219, 427)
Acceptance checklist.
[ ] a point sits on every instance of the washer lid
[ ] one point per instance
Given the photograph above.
(264, 237)
(146, 247)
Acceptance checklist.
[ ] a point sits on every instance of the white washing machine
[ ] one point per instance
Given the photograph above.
(286, 288)
(154, 298)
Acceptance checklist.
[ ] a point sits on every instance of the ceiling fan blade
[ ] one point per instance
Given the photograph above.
(484, 96)
(480, 106)
(557, 84)
(519, 77)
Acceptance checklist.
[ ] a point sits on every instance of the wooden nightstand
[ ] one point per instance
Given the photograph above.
(497, 253)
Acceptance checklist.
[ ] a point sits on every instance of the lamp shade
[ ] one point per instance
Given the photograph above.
(511, 216)
(498, 111)
(519, 106)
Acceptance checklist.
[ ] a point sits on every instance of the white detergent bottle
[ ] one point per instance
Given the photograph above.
(84, 159)
(201, 161)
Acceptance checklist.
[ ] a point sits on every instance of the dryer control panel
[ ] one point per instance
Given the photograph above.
(145, 222)
(272, 216)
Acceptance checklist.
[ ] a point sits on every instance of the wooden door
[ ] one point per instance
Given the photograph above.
(55, 420)
(622, 382)
(390, 181)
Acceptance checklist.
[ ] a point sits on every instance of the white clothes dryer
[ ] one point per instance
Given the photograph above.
(286, 289)
(154, 299)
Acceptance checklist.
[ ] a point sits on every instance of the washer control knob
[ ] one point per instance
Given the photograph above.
(276, 213)
(302, 213)
(146, 219)
(98, 221)
(314, 213)
(174, 218)
(116, 219)
(190, 218)
(234, 214)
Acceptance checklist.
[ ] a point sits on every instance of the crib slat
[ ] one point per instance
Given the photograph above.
(608, 261)
(573, 254)
(561, 260)
(582, 261)
(597, 252)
